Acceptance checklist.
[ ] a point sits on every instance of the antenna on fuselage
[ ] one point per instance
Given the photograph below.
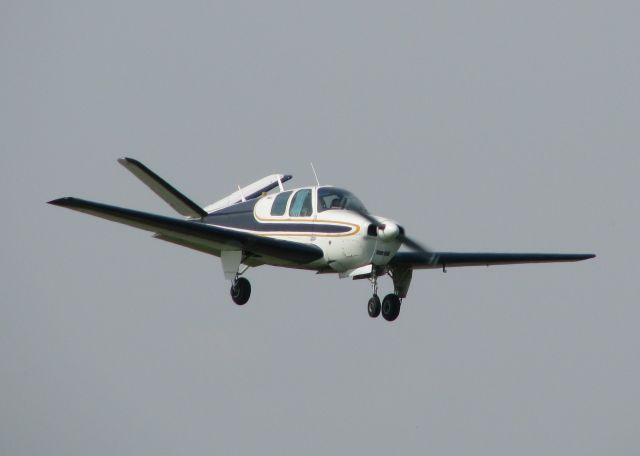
(315, 174)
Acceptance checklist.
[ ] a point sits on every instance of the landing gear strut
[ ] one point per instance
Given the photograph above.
(373, 306)
(240, 291)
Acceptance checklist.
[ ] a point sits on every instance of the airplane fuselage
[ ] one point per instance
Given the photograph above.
(345, 237)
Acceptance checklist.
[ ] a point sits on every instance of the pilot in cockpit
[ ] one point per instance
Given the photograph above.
(336, 203)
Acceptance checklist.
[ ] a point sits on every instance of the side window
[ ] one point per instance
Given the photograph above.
(280, 203)
(301, 204)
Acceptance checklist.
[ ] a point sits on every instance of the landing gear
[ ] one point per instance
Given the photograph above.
(374, 306)
(391, 307)
(240, 291)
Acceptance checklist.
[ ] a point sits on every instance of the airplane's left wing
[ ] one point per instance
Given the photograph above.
(433, 260)
(196, 234)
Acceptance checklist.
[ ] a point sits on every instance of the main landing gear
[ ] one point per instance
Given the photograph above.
(390, 306)
(240, 291)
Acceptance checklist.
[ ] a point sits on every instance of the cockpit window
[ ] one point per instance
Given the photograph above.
(280, 203)
(337, 198)
(301, 204)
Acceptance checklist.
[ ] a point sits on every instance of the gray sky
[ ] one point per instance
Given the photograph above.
(495, 126)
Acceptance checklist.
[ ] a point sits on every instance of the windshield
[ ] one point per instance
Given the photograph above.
(337, 198)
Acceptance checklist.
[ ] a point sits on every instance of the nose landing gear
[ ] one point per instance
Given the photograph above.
(390, 306)
(374, 306)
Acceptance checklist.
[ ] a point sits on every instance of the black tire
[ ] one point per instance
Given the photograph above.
(241, 291)
(391, 307)
(374, 306)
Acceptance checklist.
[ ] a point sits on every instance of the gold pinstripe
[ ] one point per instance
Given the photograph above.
(353, 226)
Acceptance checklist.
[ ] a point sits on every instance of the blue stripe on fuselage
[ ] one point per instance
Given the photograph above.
(241, 216)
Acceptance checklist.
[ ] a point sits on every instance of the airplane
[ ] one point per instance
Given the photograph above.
(319, 228)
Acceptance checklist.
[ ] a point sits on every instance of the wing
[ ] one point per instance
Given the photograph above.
(433, 260)
(195, 234)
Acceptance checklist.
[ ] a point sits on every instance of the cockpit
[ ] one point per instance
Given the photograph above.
(337, 198)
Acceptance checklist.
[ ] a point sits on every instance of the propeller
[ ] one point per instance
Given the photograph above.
(391, 230)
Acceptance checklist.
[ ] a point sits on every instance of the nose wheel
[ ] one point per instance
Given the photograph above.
(391, 307)
(374, 306)
(240, 291)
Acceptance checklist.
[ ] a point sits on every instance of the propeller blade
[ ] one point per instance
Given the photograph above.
(369, 217)
(415, 245)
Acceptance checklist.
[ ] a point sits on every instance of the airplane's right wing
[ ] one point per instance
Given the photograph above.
(197, 235)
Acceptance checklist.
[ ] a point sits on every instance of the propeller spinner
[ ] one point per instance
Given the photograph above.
(388, 231)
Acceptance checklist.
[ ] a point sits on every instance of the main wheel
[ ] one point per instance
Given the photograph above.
(374, 306)
(240, 291)
(391, 307)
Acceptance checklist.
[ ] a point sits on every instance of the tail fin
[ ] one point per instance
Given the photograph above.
(163, 189)
(250, 191)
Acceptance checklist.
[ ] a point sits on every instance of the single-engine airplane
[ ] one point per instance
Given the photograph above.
(319, 228)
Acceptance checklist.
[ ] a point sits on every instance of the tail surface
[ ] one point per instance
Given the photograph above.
(163, 189)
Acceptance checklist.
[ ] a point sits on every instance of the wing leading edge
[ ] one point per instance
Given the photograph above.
(196, 234)
(433, 260)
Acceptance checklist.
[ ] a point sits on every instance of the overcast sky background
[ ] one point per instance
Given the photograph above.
(486, 126)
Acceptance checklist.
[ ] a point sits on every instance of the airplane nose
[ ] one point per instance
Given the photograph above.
(388, 231)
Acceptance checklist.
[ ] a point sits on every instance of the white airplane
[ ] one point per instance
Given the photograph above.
(320, 228)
